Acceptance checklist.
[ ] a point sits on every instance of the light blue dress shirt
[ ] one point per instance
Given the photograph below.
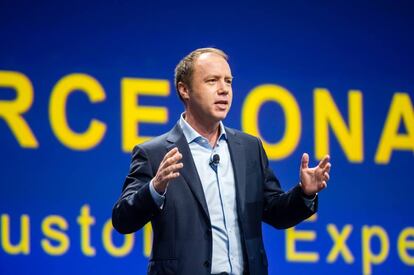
(220, 193)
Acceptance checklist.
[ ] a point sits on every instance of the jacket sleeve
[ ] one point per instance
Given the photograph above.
(135, 207)
(282, 209)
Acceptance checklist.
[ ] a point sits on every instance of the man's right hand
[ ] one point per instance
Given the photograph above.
(168, 170)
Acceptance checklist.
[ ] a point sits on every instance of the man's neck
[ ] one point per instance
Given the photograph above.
(210, 130)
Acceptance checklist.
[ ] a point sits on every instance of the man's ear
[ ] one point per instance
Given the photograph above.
(183, 90)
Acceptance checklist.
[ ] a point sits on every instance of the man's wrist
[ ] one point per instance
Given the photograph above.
(306, 196)
(158, 198)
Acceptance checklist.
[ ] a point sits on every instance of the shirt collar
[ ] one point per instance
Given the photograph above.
(192, 135)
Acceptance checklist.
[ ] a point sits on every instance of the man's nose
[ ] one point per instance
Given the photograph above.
(223, 87)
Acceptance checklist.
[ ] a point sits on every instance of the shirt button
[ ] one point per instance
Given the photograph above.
(206, 264)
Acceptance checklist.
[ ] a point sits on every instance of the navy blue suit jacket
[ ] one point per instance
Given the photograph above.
(182, 240)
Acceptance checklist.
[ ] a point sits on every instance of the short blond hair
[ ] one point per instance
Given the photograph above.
(185, 68)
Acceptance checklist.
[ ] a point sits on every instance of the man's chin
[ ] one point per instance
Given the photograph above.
(221, 115)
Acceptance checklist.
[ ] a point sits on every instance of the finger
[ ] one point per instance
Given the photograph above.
(327, 168)
(326, 175)
(324, 161)
(305, 161)
(171, 152)
(174, 158)
(168, 155)
(323, 185)
(173, 168)
(179, 156)
(172, 176)
(171, 160)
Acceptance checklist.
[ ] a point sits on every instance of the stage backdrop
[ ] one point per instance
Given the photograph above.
(81, 83)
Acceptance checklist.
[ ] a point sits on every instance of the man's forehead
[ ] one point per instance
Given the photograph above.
(210, 60)
(209, 55)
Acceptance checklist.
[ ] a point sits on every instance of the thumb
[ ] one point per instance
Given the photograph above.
(305, 161)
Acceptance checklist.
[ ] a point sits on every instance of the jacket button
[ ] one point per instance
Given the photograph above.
(207, 264)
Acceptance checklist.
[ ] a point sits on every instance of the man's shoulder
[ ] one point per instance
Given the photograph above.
(155, 143)
(234, 133)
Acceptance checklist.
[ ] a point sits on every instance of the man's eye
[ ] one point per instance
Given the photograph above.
(229, 81)
(211, 80)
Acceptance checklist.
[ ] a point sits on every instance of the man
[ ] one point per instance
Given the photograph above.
(206, 188)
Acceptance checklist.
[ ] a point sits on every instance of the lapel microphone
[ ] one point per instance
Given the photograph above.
(214, 161)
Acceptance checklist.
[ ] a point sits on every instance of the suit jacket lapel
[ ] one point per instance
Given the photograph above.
(238, 160)
(189, 171)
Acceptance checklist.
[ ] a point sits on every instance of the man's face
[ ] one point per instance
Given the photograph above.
(210, 93)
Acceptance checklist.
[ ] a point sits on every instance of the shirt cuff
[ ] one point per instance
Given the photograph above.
(310, 203)
(158, 199)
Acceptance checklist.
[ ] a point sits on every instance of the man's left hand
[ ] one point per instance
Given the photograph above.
(313, 180)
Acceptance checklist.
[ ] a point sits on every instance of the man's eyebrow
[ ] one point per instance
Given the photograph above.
(218, 76)
(212, 75)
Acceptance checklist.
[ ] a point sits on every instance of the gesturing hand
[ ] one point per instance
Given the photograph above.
(313, 180)
(168, 170)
